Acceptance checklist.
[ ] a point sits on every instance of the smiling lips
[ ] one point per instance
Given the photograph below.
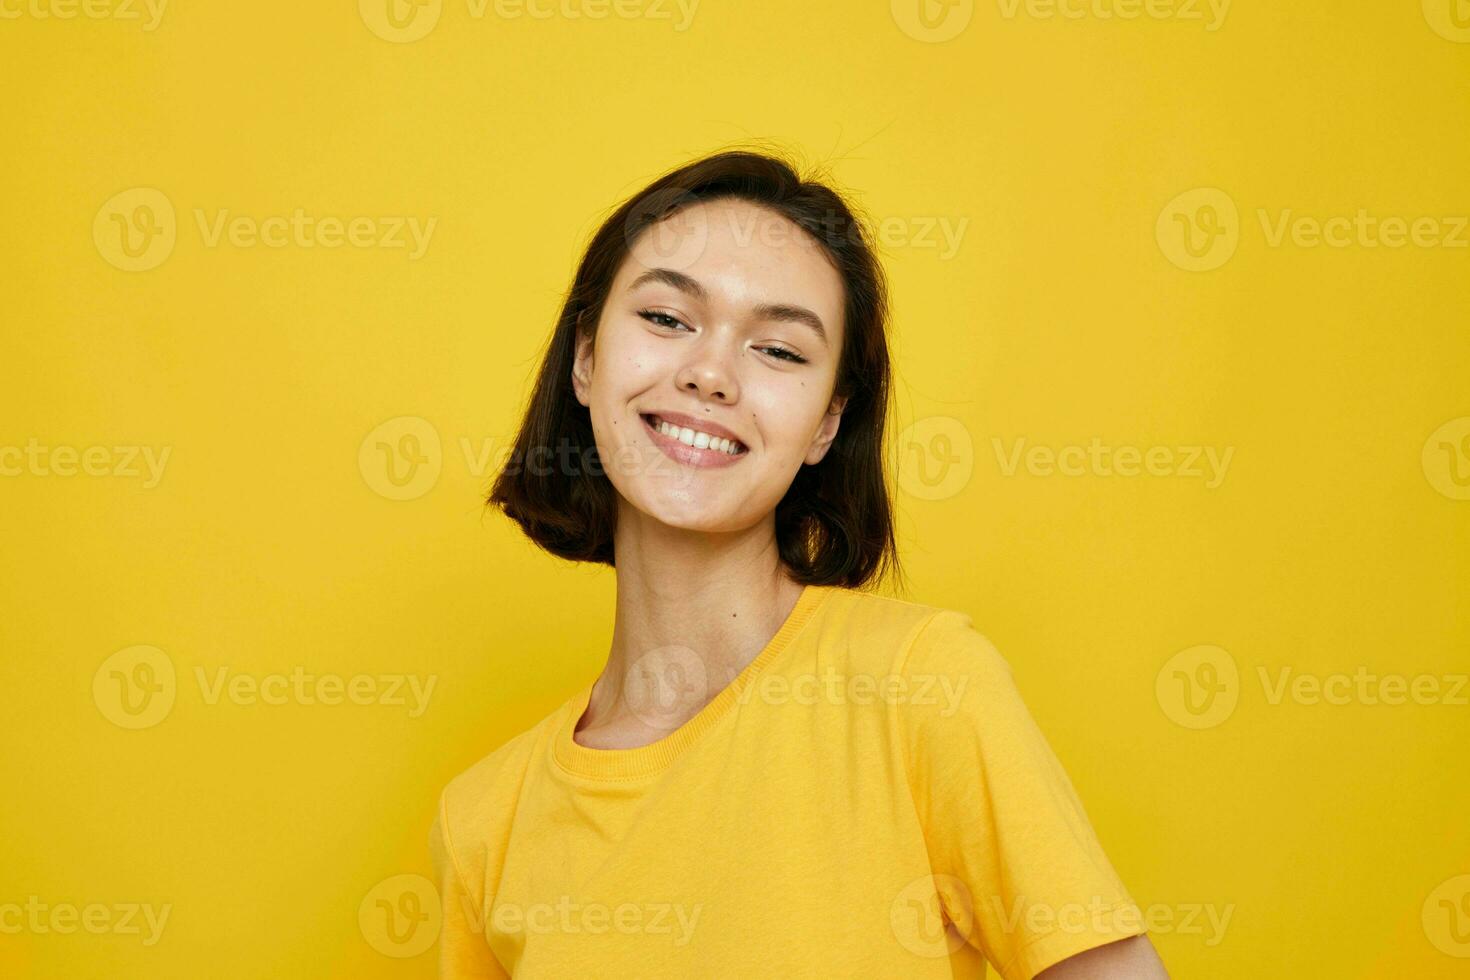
(693, 442)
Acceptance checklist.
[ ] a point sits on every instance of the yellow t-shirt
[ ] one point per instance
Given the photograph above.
(869, 797)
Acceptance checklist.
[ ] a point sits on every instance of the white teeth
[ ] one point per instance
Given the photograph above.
(695, 438)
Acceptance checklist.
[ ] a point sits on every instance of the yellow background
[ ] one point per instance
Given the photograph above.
(1332, 543)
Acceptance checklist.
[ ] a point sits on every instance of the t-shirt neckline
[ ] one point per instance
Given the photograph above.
(650, 758)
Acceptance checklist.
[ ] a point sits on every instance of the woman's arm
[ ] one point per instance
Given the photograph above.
(1133, 958)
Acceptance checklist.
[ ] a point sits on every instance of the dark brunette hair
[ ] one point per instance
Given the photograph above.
(834, 526)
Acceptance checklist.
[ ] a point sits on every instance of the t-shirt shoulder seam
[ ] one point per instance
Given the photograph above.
(449, 848)
(896, 718)
(918, 636)
(862, 595)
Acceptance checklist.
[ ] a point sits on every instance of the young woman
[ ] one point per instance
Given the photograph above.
(775, 774)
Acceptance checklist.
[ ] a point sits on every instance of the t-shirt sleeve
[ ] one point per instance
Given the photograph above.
(1018, 868)
(463, 951)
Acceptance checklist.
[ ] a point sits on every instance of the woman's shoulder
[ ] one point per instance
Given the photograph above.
(468, 836)
(493, 782)
(907, 635)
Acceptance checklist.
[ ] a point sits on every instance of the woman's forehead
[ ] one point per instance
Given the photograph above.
(737, 252)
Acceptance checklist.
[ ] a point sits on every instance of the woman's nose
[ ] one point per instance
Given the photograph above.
(710, 373)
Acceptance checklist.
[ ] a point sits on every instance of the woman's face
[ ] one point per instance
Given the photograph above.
(725, 319)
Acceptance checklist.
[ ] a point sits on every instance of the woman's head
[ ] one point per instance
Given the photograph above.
(737, 300)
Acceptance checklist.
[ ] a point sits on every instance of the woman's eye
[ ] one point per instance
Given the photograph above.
(671, 322)
(662, 319)
(782, 354)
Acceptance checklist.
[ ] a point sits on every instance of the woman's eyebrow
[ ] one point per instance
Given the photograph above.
(785, 312)
(669, 277)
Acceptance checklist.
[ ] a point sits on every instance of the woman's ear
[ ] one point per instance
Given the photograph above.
(827, 431)
(582, 367)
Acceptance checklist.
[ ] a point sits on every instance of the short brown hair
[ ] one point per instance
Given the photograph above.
(834, 526)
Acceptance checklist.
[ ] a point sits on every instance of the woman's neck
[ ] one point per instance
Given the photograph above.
(693, 610)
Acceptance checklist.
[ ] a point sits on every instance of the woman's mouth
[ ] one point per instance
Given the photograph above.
(692, 447)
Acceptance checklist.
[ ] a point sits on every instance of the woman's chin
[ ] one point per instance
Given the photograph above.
(690, 515)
